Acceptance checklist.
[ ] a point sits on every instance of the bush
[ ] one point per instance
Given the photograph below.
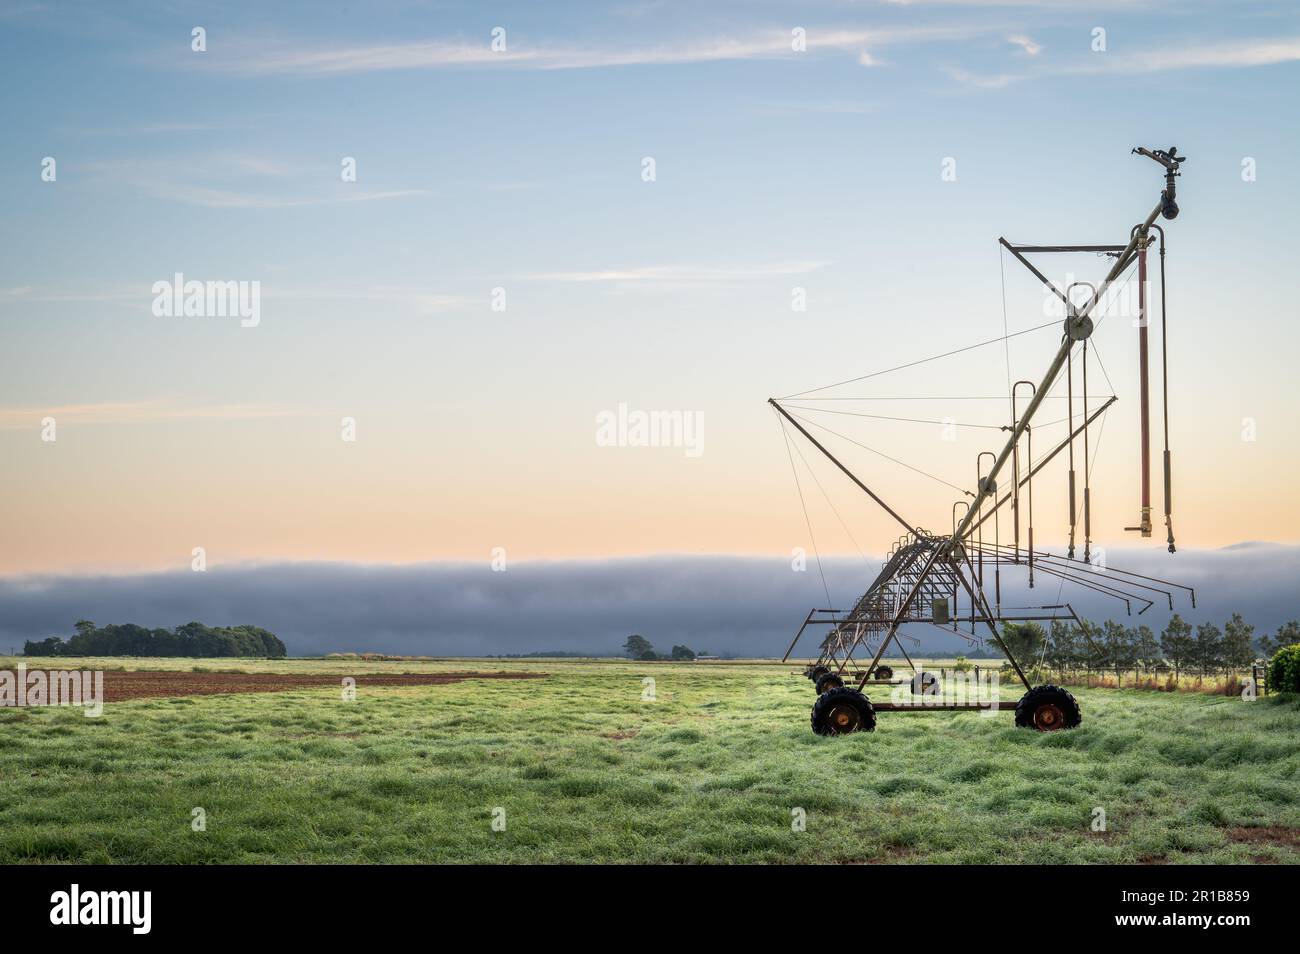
(1284, 670)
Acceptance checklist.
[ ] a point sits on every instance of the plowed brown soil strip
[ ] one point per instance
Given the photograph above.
(144, 684)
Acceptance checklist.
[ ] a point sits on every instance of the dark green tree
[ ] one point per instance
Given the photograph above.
(1238, 643)
(683, 652)
(1207, 648)
(1062, 645)
(1288, 634)
(1147, 647)
(1024, 640)
(1176, 643)
(53, 646)
(192, 639)
(1120, 643)
(638, 647)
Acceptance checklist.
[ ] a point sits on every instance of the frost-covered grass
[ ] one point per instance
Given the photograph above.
(586, 770)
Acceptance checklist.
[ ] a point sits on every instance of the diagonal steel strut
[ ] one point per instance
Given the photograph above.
(834, 460)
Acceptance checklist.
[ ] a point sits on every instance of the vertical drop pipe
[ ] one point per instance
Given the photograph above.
(979, 527)
(1069, 405)
(1029, 439)
(1015, 487)
(1069, 410)
(1164, 372)
(1144, 522)
(1087, 466)
(1015, 483)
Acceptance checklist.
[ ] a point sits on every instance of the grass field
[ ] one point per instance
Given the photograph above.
(586, 771)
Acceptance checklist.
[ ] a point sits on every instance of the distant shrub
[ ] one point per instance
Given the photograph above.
(962, 664)
(1284, 670)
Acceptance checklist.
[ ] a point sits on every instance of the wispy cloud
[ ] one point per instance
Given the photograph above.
(426, 301)
(984, 80)
(1244, 53)
(423, 300)
(1025, 43)
(1239, 54)
(229, 199)
(221, 180)
(132, 412)
(256, 59)
(679, 274)
(33, 293)
(830, 106)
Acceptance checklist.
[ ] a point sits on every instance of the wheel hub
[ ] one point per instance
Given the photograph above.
(1049, 717)
(844, 719)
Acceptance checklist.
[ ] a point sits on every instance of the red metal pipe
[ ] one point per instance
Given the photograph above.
(1144, 524)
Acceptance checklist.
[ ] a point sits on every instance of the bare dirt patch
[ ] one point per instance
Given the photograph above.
(1278, 836)
(140, 684)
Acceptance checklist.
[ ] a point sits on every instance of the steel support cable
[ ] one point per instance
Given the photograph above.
(1047, 454)
(1114, 293)
(1042, 461)
(1006, 344)
(886, 417)
(916, 420)
(912, 364)
(830, 503)
(1088, 466)
(811, 536)
(1102, 364)
(900, 463)
(933, 397)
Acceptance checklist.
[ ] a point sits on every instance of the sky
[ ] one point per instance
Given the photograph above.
(564, 216)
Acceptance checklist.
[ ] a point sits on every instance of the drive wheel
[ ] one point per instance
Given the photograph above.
(882, 673)
(816, 672)
(841, 711)
(1048, 709)
(828, 680)
(925, 684)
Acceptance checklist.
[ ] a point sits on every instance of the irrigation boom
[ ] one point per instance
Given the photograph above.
(938, 569)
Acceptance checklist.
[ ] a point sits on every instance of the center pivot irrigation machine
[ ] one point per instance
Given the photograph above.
(928, 576)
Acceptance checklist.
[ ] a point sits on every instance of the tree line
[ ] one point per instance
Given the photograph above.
(192, 639)
(1179, 646)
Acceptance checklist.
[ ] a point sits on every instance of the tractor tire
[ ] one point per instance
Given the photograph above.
(828, 680)
(816, 672)
(841, 711)
(882, 673)
(1048, 709)
(925, 683)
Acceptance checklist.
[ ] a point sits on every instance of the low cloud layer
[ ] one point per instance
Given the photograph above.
(740, 605)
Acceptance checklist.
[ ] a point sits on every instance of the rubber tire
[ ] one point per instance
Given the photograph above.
(921, 680)
(832, 698)
(816, 672)
(828, 680)
(1037, 696)
(882, 673)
